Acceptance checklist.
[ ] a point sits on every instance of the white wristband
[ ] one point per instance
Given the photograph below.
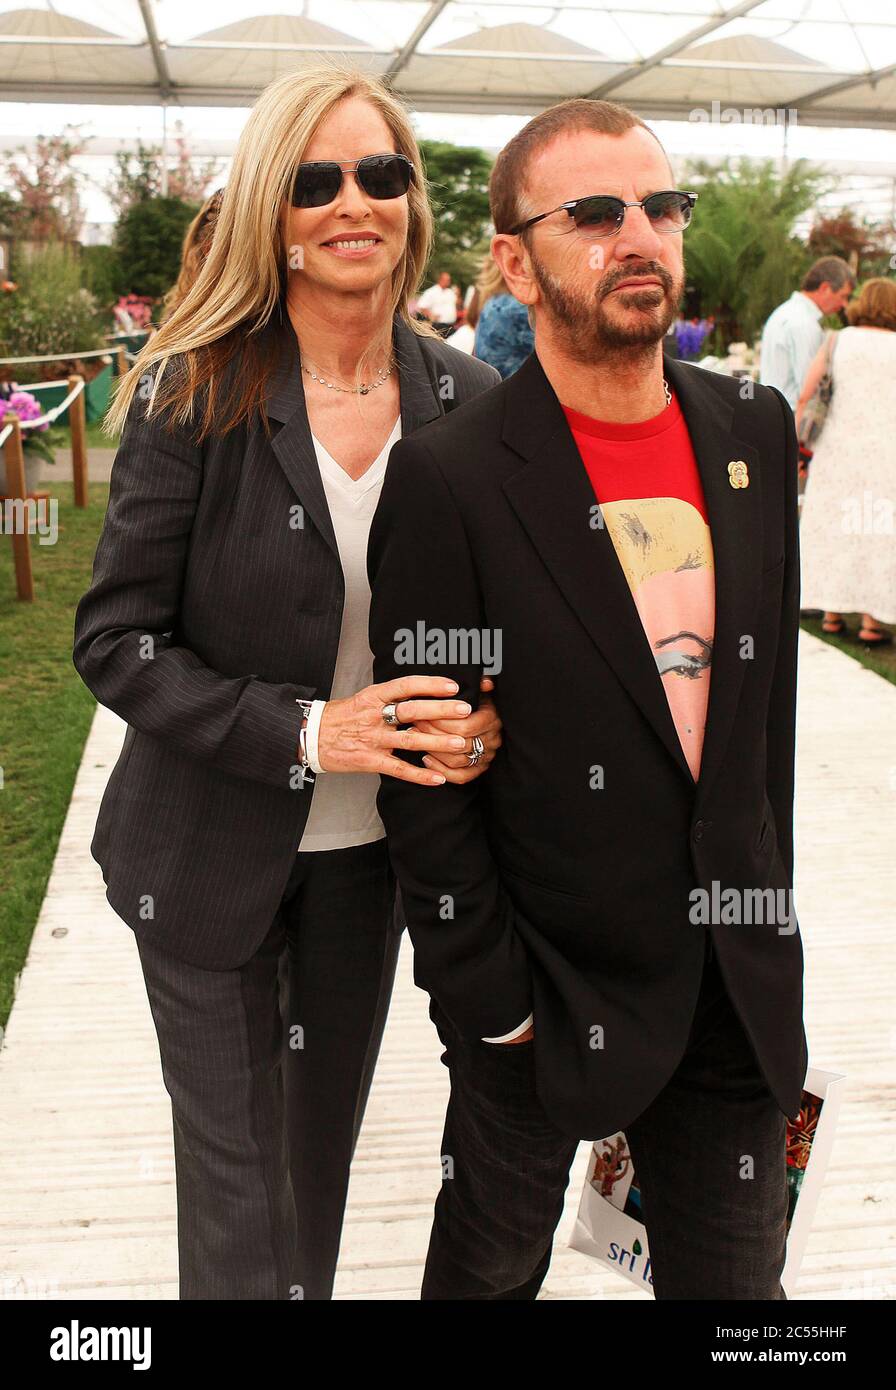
(311, 732)
(509, 1037)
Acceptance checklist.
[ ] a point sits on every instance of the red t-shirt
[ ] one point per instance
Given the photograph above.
(646, 480)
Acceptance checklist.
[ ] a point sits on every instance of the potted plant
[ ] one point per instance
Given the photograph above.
(38, 445)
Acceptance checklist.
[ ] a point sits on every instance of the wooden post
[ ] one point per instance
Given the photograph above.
(14, 460)
(122, 360)
(77, 419)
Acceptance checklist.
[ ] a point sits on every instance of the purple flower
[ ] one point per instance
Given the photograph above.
(26, 406)
(689, 337)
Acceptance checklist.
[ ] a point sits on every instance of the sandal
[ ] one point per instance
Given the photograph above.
(874, 636)
(833, 627)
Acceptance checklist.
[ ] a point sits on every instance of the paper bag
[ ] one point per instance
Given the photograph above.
(609, 1226)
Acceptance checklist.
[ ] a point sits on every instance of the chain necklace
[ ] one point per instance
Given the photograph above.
(667, 391)
(362, 390)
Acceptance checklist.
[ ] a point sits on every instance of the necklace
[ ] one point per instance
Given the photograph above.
(361, 390)
(667, 391)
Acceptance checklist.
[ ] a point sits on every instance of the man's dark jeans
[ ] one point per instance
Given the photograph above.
(708, 1152)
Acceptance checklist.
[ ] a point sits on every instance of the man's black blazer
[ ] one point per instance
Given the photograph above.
(536, 887)
(216, 602)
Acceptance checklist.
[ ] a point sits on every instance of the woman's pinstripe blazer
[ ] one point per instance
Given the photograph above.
(216, 602)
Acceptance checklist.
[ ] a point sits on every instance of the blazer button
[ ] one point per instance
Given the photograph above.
(698, 830)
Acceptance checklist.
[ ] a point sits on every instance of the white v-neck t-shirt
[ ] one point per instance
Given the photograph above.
(343, 808)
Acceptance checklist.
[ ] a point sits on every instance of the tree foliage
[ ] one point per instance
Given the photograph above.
(458, 183)
(103, 274)
(45, 186)
(741, 252)
(148, 240)
(137, 176)
(863, 244)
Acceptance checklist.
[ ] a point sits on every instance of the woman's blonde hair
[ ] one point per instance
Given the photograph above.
(875, 306)
(243, 279)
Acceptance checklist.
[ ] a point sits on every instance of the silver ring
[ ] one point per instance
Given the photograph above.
(389, 715)
(478, 750)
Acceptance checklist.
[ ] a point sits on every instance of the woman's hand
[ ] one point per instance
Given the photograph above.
(353, 737)
(485, 722)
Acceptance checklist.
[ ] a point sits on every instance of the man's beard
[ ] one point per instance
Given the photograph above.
(587, 324)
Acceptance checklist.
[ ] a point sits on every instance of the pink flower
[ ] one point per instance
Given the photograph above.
(26, 406)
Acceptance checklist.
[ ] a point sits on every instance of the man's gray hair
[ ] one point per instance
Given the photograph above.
(830, 270)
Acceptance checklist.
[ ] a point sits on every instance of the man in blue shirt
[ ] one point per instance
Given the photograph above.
(793, 332)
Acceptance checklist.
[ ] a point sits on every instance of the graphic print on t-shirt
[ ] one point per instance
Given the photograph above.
(646, 480)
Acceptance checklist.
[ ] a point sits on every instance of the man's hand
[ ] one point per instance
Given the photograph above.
(456, 767)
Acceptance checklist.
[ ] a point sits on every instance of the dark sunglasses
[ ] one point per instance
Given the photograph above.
(380, 175)
(602, 215)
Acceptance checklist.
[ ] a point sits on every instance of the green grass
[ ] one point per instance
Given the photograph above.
(45, 715)
(881, 660)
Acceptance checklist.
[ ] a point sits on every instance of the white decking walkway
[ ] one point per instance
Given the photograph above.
(86, 1170)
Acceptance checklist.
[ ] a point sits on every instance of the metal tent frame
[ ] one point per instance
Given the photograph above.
(517, 67)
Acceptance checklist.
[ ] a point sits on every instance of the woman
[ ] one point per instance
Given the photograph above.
(504, 336)
(846, 528)
(230, 590)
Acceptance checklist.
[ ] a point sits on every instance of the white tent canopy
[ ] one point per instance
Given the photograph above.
(833, 62)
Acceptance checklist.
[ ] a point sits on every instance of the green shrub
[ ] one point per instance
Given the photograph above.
(148, 239)
(102, 273)
(49, 311)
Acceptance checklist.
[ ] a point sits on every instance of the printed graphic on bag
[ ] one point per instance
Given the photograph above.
(800, 1138)
(612, 1174)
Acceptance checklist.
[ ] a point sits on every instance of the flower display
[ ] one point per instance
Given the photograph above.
(26, 406)
(134, 309)
(38, 440)
(689, 336)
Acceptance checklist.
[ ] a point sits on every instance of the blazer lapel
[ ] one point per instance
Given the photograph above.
(554, 500)
(292, 443)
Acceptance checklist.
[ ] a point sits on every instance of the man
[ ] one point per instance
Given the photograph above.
(793, 332)
(439, 304)
(622, 556)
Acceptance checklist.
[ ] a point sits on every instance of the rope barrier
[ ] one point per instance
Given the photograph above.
(56, 357)
(51, 415)
(43, 385)
(79, 356)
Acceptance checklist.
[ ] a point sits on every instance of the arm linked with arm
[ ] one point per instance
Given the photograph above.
(422, 576)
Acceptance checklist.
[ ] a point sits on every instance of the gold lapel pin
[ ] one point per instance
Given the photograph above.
(737, 473)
